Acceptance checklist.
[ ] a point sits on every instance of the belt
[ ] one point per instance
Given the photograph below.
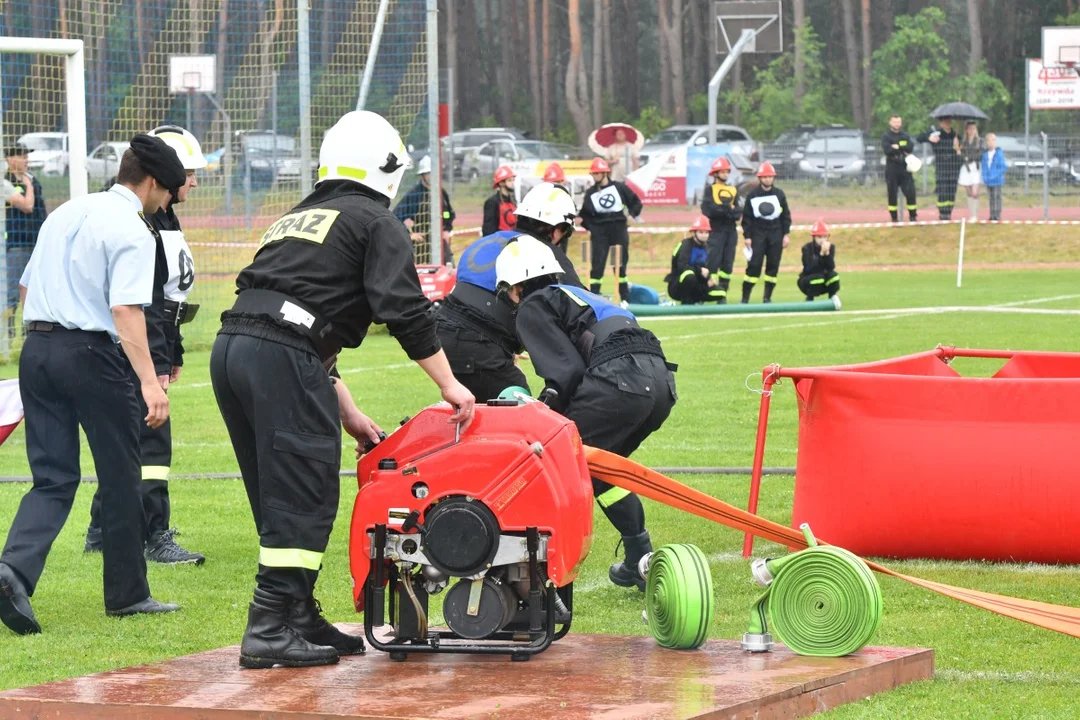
(293, 314)
(179, 313)
(48, 327)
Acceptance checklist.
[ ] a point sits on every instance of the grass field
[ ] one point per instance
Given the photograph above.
(987, 666)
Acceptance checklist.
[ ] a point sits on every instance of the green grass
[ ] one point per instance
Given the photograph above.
(987, 666)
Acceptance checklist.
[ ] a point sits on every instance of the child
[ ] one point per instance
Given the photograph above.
(819, 275)
(690, 281)
(766, 222)
(722, 206)
(993, 175)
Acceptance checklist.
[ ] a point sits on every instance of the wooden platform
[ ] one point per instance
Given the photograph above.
(581, 676)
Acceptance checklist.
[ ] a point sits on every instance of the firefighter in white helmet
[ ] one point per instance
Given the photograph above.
(414, 211)
(174, 275)
(322, 274)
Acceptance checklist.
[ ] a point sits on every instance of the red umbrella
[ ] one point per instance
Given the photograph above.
(604, 136)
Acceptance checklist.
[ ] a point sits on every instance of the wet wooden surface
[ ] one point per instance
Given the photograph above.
(582, 676)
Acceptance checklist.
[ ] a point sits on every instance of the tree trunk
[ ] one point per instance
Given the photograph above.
(609, 55)
(266, 48)
(799, 7)
(62, 18)
(698, 72)
(9, 17)
(545, 66)
(326, 17)
(868, 98)
(505, 72)
(975, 31)
(597, 63)
(665, 64)
(534, 73)
(470, 93)
(632, 65)
(141, 32)
(573, 99)
(851, 45)
(673, 30)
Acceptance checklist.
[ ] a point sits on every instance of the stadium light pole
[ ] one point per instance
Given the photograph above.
(745, 39)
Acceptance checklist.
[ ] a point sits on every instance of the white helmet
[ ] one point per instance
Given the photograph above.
(548, 203)
(364, 148)
(184, 143)
(523, 258)
(424, 166)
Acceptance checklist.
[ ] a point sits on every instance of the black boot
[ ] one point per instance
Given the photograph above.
(747, 288)
(305, 617)
(894, 216)
(94, 541)
(625, 573)
(913, 216)
(594, 288)
(768, 292)
(269, 641)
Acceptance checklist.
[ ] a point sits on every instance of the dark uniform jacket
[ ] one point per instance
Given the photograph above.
(897, 156)
(21, 229)
(814, 263)
(568, 330)
(166, 346)
(604, 205)
(946, 159)
(414, 206)
(342, 254)
(765, 210)
(689, 255)
(721, 205)
(498, 214)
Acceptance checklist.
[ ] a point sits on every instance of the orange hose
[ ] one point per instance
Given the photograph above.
(648, 483)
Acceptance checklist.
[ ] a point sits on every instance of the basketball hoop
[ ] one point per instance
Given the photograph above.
(191, 74)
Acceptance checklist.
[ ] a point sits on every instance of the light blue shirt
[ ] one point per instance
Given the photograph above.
(93, 253)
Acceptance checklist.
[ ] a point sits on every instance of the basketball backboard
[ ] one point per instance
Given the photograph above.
(764, 17)
(192, 74)
(1061, 46)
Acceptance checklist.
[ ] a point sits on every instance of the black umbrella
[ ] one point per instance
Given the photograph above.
(959, 110)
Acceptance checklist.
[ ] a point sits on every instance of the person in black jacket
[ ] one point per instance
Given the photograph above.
(722, 206)
(897, 145)
(690, 281)
(607, 374)
(819, 276)
(25, 215)
(174, 275)
(947, 164)
(413, 210)
(476, 325)
(603, 214)
(322, 274)
(499, 208)
(766, 224)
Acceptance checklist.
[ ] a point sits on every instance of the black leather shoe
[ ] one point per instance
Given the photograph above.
(15, 610)
(149, 606)
(269, 640)
(305, 617)
(625, 573)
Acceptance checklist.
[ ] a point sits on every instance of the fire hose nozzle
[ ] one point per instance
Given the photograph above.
(760, 570)
(757, 642)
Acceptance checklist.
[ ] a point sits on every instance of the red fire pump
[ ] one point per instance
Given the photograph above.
(499, 516)
(436, 281)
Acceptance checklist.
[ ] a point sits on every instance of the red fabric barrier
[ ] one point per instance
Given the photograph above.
(905, 458)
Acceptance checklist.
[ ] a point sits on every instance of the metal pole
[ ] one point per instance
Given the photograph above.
(745, 39)
(247, 188)
(1046, 176)
(373, 53)
(76, 112)
(960, 256)
(273, 128)
(303, 52)
(1027, 126)
(5, 343)
(188, 125)
(826, 183)
(435, 203)
(450, 123)
(227, 160)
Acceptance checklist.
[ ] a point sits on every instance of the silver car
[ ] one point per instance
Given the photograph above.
(483, 161)
(679, 136)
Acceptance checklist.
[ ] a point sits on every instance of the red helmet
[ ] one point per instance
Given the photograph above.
(554, 173)
(820, 228)
(599, 165)
(700, 223)
(719, 165)
(766, 170)
(503, 173)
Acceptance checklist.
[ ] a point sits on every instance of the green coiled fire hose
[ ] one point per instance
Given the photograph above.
(679, 596)
(822, 601)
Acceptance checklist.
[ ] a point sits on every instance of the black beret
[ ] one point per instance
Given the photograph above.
(159, 161)
(16, 148)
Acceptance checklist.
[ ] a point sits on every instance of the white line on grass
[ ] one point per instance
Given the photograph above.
(1036, 301)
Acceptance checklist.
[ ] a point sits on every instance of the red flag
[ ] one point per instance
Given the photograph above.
(11, 409)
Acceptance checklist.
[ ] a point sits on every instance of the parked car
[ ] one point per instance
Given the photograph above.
(271, 157)
(48, 152)
(482, 162)
(466, 141)
(103, 162)
(1016, 159)
(678, 136)
(786, 150)
(835, 154)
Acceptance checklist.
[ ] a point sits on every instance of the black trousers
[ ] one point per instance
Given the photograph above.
(281, 412)
(815, 284)
(69, 378)
(618, 404)
(722, 246)
(691, 288)
(947, 178)
(155, 449)
(479, 364)
(604, 236)
(768, 248)
(898, 179)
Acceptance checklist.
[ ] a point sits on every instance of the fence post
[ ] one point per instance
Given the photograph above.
(1046, 176)
(960, 257)
(1027, 129)
(434, 153)
(826, 164)
(303, 51)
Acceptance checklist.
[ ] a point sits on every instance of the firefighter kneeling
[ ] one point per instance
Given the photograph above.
(690, 281)
(610, 376)
(819, 276)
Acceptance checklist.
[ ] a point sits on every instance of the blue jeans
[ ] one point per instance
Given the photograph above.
(17, 258)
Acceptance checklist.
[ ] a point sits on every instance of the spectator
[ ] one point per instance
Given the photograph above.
(993, 175)
(971, 152)
(25, 215)
(819, 275)
(946, 164)
(413, 211)
(898, 145)
(622, 156)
